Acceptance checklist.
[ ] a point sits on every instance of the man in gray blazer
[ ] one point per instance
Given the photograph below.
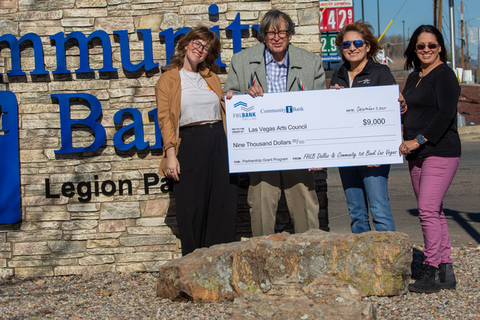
(276, 66)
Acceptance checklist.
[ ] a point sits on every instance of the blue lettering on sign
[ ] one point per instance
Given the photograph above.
(78, 38)
(158, 133)
(66, 123)
(136, 126)
(85, 43)
(10, 210)
(236, 28)
(213, 9)
(147, 62)
(90, 122)
(221, 64)
(170, 37)
(15, 53)
(82, 40)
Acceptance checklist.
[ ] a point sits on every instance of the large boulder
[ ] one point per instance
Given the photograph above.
(374, 263)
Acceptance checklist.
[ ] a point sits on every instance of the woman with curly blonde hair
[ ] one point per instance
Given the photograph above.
(191, 110)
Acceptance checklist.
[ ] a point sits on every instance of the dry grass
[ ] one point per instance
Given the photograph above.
(397, 67)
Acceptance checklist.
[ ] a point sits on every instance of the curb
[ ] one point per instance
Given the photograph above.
(469, 133)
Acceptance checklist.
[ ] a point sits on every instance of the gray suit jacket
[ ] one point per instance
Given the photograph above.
(304, 68)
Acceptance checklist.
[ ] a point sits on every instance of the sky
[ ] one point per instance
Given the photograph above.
(418, 12)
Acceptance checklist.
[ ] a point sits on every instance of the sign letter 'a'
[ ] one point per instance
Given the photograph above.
(10, 210)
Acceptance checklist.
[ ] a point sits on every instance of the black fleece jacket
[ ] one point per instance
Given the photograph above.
(374, 74)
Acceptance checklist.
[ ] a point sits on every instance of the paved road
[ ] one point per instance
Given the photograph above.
(461, 204)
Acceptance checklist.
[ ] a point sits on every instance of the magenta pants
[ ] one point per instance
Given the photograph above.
(431, 178)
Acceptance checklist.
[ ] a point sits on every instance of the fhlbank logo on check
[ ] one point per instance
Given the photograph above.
(247, 112)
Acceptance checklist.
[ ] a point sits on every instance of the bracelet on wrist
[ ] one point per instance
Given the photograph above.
(420, 139)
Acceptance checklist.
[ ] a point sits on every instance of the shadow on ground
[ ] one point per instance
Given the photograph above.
(462, 218)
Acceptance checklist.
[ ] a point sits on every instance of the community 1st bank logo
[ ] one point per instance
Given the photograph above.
(292, 109)
(247, 112)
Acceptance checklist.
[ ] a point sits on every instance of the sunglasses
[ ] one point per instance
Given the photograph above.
(431, 46)
(356, 43)
(197, 45)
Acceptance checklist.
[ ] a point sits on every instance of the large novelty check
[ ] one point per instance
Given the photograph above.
(314, 129)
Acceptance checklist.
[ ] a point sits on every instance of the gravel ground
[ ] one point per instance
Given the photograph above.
(462, 303)
(132, 296)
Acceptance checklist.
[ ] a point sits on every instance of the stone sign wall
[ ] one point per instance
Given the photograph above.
(90, 210)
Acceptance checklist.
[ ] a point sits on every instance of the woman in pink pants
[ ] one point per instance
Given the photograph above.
(432, 147)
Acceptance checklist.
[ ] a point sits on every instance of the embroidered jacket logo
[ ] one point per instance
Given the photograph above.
(365, 81)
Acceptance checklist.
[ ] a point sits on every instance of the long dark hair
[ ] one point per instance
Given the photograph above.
(413, 62)
(366, 30)
(197, 33)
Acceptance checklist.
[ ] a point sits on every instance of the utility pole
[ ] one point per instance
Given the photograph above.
(403, 21)
(363, 12)
(466, 39)
(461, 34)
(378, 17)
(478, 56)
(435, 15)
(452, 33)
(440, 15)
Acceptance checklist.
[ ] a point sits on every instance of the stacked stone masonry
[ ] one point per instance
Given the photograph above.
(109, 232)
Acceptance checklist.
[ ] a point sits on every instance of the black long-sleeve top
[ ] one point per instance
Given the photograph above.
(373, 74)
(432, 112)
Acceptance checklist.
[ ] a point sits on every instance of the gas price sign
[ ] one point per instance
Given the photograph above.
(335, 14)
(328, 44)
(334, 19)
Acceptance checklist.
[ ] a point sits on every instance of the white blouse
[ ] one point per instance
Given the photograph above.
(199, 102)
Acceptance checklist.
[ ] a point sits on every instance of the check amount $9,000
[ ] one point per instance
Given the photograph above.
(374, 122)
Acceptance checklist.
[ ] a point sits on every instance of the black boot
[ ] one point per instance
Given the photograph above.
(427, 282)
(447, 276)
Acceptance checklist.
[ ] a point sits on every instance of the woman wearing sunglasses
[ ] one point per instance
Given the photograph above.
(191, 110)
(364, 186)
(432, 147)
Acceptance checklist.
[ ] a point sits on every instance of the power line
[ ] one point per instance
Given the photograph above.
(399, 10)
(380, 37)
